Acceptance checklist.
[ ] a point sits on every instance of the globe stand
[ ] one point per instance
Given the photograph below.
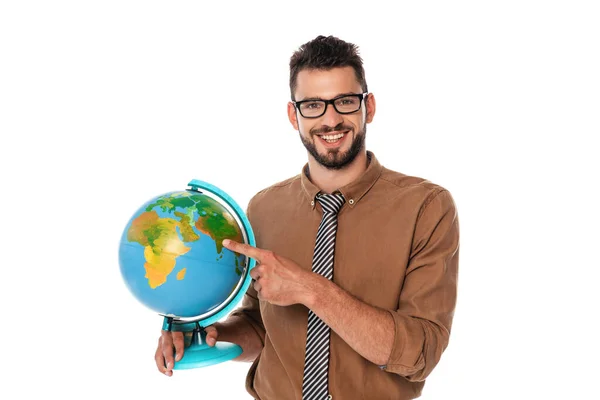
(199, 354)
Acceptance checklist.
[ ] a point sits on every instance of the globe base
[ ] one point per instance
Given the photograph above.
(203, 355)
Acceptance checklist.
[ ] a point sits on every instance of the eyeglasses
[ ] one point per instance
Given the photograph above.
(345, 104)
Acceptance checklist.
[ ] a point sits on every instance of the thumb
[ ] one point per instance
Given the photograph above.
(211, 335)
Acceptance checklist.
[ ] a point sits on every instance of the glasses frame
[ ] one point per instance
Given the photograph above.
(361, 97)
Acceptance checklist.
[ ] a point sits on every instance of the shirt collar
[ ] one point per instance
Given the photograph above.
(354, 191)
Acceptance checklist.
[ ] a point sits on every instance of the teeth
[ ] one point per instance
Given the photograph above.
(333, 138)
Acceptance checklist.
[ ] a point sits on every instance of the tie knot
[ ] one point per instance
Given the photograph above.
(331, 203)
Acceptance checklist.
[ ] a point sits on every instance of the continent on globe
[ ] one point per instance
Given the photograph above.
(167, 224)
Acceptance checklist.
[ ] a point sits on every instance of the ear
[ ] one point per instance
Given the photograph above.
(371, 105)
(292, 116)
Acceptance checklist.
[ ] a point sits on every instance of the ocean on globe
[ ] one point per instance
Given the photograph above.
(171, 254)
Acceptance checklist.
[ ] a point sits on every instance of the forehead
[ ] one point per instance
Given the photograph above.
(326, 83)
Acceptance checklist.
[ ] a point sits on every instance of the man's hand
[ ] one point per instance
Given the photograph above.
(164, 351)
(278, 280)
(170, 341)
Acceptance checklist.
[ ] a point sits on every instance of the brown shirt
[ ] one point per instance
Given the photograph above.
(396, 249)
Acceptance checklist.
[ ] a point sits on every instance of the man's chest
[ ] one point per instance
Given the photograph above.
(372, 249)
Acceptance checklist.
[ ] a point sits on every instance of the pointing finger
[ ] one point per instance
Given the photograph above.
(244, 249)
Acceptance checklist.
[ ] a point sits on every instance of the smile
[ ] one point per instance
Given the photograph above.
(333, 138)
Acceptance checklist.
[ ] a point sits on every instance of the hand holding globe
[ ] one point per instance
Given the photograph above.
(165, 357)
(232, 330)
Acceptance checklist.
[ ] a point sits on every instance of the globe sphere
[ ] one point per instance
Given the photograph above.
(171, 255)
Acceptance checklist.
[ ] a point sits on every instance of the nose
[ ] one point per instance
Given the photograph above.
(331, 116)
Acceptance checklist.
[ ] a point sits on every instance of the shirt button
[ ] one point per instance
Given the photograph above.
(351, 201)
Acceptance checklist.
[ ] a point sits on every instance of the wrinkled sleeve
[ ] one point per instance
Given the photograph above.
(250, 312)
(250, 308)
(428, 297)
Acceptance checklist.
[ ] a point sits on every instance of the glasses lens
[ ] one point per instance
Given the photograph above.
(348, 104)
(312, 108)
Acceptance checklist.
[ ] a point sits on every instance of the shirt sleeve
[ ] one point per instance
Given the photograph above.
(249, 310)
(428, 297)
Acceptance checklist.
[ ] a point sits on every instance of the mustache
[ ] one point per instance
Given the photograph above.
(326, 129)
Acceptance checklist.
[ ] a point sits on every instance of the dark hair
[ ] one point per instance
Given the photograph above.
(324, 53)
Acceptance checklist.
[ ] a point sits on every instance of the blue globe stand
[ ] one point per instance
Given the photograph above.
(199, 354)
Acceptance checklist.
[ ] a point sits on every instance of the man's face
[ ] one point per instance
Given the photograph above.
(333, 139)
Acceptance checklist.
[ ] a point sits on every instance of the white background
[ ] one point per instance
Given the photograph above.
(106, 104)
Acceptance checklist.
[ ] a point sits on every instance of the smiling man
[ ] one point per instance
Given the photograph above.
(356, 279)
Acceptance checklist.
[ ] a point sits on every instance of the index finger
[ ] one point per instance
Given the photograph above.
(243, 248)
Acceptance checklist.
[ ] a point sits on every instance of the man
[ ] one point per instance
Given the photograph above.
(378, 313)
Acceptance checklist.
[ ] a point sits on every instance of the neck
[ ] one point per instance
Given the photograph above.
(329, 180)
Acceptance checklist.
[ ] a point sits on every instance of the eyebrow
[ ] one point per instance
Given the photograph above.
(335, 97)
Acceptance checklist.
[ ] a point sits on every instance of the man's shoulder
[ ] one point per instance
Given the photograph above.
(275, 191)
(399, 181)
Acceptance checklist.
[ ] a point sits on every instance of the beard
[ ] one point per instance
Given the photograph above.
(334, 158)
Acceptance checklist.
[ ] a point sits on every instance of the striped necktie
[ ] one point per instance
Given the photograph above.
(316, 360)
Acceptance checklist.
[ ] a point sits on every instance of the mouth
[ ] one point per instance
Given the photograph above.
(333, 139)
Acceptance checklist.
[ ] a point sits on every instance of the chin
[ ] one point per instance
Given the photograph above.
(338, 158)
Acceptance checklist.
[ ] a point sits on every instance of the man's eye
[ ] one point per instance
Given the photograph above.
(347, 101)
(313, 105)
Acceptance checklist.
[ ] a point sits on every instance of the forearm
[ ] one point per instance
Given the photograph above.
(367, 329)
(236, 329)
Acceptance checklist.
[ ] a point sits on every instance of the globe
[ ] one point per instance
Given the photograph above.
(172, 260)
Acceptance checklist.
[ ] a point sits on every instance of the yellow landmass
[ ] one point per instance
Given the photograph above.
(160, 264)
(181, 274)
(162, 245)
